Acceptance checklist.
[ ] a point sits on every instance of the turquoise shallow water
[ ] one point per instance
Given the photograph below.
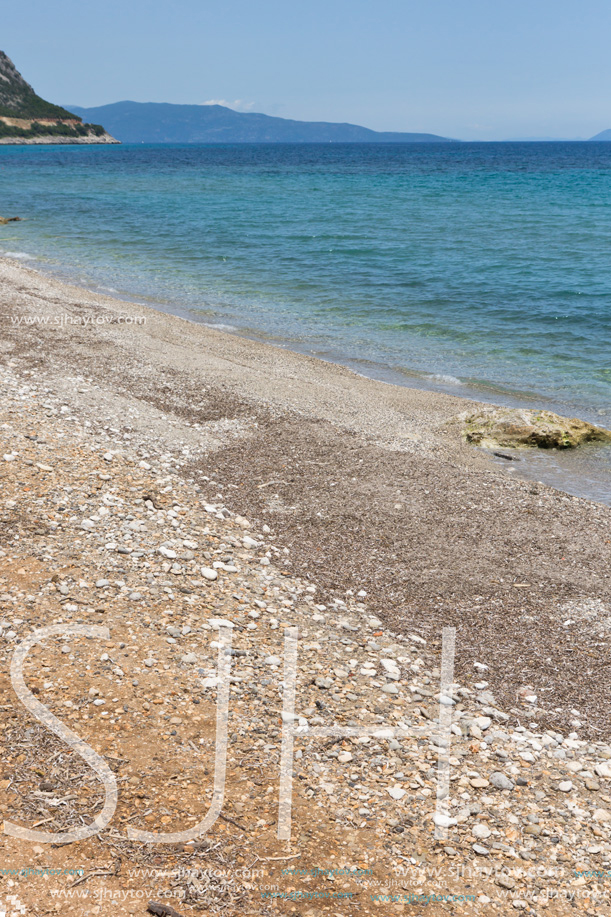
(475, 268)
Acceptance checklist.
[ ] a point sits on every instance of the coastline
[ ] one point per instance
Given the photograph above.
(584, 472)
(405, 508)
(333, 391)
(481, 335)
(58, 140)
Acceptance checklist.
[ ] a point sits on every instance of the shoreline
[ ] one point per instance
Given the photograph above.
(420, 315)
(584, 473)
(481, 391)
(430, 407)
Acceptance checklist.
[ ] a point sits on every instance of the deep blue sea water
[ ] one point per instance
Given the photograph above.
(475, 268)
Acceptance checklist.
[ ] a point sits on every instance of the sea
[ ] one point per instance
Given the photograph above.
(480, 269)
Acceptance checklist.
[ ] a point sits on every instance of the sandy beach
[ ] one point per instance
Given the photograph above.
(367, 494)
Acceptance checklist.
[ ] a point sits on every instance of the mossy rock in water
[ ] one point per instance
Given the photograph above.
(513, 428)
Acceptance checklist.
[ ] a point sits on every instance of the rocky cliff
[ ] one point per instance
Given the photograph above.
(27, 118)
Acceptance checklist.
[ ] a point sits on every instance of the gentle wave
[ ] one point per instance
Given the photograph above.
(448, 380)
(221, 327)
(20, 256)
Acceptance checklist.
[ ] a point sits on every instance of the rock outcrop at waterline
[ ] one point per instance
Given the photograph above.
(29, 138)
(514, 428)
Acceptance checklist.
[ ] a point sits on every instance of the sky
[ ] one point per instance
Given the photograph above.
(470, 69)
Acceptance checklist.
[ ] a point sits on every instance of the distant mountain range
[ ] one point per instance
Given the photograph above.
(26, 118)
(158, 122)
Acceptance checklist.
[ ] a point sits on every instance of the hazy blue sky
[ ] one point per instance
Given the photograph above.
(472, 69)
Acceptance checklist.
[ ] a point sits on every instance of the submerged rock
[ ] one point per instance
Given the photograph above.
(511, 427)
(4, 220)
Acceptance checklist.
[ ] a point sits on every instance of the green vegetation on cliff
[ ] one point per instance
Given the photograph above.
(59, 129)
(18, 99)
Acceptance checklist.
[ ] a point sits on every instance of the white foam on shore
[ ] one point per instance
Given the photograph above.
(448, 380)
(221, 327)
(21, 256)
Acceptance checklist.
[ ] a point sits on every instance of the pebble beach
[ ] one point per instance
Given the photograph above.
(174, 484)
